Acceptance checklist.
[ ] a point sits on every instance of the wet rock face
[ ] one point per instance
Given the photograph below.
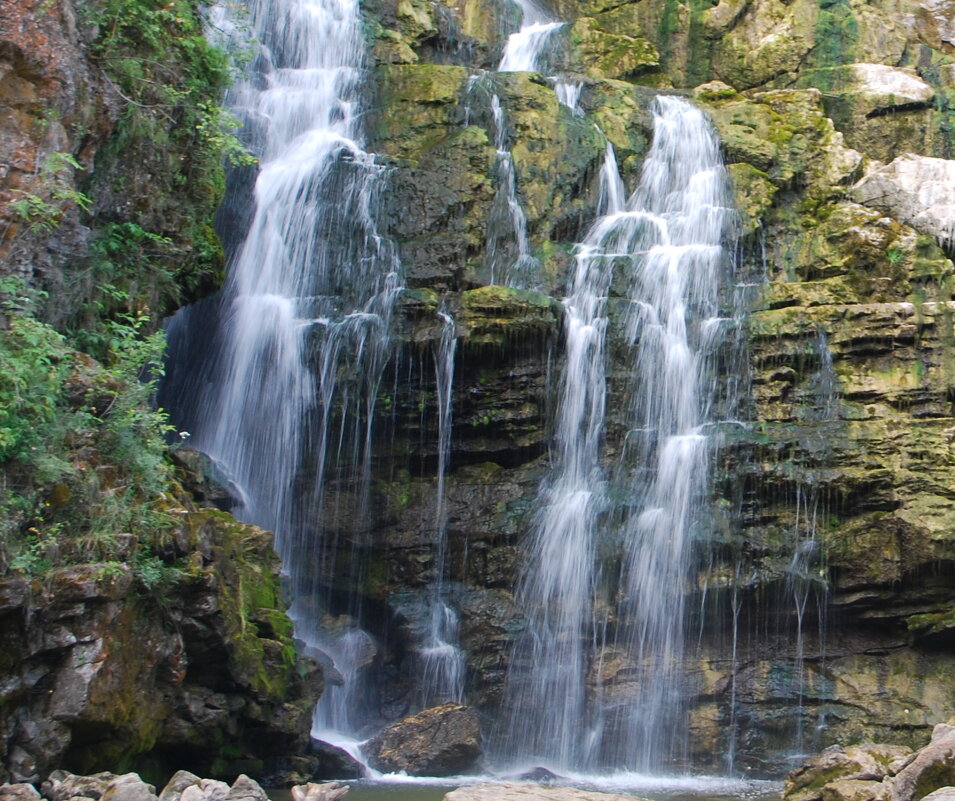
(100, 669)
(836, 491)
(442, 741)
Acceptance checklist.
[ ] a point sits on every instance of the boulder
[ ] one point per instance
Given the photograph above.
(129, 787)
(856, 790)
(246, 789)
(917, 190)
(18, 792)
(931, 769)
(175, 786)
(942, 794)
(539, 774)
(206, 790)
(328, 791)
(529, 791)
(878, 88)
(867, 763)
(333, 762)
(441, 741)
(62, 785)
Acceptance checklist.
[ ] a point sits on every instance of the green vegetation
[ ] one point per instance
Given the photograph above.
(83, 474)
(160, 176)
(44, 212)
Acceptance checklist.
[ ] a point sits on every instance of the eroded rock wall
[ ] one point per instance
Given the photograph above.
(199, 671)
(833, 531)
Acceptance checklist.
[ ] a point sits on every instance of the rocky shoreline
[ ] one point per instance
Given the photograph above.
(183, 786)
(878, 772)
(186, 786)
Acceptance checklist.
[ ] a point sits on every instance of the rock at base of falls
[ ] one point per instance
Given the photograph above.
(441, 741)
(529, 791)
(866, 762)
(329, 791)
(334, 762)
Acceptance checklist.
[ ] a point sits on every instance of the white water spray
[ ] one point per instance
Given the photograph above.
(598, 682)
(304, 317)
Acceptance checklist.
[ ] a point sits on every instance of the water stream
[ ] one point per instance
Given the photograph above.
(442, 660)
(584, 689)
(301, 333)
(296, 346)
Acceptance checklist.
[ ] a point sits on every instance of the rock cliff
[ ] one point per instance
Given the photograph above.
(133, 619)
(832, 544)
(833, 501)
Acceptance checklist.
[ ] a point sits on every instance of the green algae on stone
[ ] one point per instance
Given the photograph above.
(417, 102)
(496, 314)
(772, 39)
(602, 54)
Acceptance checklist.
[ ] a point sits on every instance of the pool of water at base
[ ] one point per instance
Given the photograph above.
(655, 788)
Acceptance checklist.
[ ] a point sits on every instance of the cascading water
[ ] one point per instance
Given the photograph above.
(523, 52)
(442, 660)
(524, 48)
(674, 305)
(286, 399)
(303, 323)
(595, 678)
(508, 220)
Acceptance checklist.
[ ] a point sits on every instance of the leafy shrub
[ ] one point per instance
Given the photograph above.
(82, 451)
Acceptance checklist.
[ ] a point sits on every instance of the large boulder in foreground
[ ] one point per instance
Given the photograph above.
(442, 741)
(932, 768)
(529, 791)
(858, 763)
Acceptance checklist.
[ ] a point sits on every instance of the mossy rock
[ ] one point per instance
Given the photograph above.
(497, 314)
(602, 54)
(416, 103)
(768, 40)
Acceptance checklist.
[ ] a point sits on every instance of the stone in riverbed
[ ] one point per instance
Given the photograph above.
(174, 788)
(328, 791)
(529, 791)
(206, 790)
(62, 785)
(932, 768)
(18, 792)
(867, 762)
(333, 762)
(442, 741)
(129, 787)
(246, 789)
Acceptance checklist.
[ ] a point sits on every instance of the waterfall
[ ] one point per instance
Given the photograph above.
(442, 660)
(685, 189)
(507, 216)
(523, 52)
(285, 394)
(595, 676)
(525, 47)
